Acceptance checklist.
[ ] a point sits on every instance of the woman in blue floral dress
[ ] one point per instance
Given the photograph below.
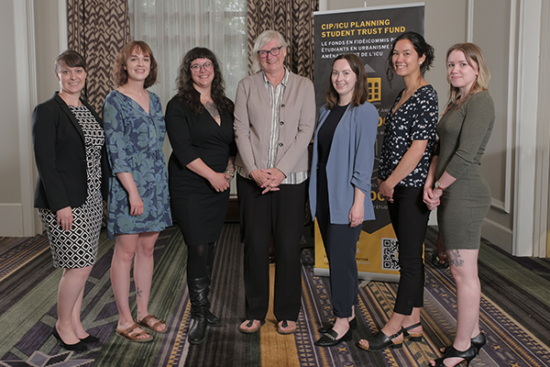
(139, 204)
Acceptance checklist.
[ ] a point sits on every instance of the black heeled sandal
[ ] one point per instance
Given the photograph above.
(467, 355)
(414, 337)
(381, 341)
(90, 339)
(80, 346)
(326, 329)
(478, 342)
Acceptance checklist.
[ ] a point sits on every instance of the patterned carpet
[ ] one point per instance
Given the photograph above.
(515, 313)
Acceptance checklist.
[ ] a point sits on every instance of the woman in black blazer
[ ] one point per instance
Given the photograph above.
(70, 157)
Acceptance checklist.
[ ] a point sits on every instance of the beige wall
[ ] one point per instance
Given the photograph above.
(494, 25)
(23, 81)
(11, 207)
(31, 39)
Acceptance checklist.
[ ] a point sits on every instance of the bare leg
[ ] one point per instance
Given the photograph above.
(143, 273)
(125, 248)
(77, 323)
(468, 294)
(70, 291)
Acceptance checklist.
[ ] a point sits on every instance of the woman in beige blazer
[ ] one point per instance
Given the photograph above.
(274, 123)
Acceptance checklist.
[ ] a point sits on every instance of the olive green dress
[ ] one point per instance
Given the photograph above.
(463, 134)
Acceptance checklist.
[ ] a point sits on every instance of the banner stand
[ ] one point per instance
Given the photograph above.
(369, 34)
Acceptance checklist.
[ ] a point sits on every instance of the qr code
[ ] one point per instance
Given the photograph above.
(390, 254)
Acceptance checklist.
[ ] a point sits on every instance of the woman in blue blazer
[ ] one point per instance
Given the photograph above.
(340, 184)
(69, 147)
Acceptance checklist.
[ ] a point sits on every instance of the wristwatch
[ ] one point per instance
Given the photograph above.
(438, 186)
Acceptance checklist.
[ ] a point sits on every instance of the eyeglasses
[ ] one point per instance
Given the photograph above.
(274, 51)
(197, 68)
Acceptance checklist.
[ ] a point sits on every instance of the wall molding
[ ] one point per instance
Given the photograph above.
(526, 194)
(63, 28)
(543, 142)
(26, 99)
(500, 235)
(470, 22)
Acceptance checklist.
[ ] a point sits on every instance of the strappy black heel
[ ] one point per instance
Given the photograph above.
(478, 342)
(414, 337)
(467, 355)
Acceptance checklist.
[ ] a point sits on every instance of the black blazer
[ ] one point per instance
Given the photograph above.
(60, 155)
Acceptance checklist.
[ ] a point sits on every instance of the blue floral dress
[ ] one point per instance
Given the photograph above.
(134, 140)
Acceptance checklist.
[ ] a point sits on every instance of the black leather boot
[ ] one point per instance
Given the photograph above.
(198, 294)
(210, 317)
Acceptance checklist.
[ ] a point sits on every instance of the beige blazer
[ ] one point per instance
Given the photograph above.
(253, 124)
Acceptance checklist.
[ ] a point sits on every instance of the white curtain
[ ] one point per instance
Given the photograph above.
(173, 27)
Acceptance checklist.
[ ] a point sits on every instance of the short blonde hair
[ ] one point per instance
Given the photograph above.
(262, 40)
(473, 54)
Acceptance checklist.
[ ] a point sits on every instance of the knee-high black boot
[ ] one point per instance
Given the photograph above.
(198, 294)
(211, 318)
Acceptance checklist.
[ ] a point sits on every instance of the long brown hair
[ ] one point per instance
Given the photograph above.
(360, 90)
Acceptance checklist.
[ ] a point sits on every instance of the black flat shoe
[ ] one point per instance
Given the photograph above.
(77, 346)
(414, 337)
(381, 341)
(478, 342)
(330, 339)
(90, 339)
(326, 329)
(467, 355)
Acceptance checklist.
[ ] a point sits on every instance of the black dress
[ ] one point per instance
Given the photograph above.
(197, 207)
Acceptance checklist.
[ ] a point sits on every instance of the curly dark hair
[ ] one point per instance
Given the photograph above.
(360, 90)
(120, 75)
(420, 46)
(187, 92)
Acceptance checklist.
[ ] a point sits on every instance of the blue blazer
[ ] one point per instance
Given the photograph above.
(60, 155)
(350, 161)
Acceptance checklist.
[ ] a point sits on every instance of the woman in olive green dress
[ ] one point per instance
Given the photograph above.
(456, 185)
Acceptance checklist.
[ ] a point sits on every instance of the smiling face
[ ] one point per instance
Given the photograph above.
(343, 80)
(405, 59)
(459, 73)
(204, 74)
(272, 64)
(71, 79)
(138, 65)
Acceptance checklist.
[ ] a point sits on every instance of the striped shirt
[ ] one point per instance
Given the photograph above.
(276, 98)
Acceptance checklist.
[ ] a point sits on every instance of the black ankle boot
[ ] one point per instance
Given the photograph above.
(210, 317)
(198, 294)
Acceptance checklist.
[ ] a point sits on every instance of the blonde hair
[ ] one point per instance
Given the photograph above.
(474, 56)
(262, 40)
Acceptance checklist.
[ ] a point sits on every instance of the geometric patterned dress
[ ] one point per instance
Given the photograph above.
(77, 248)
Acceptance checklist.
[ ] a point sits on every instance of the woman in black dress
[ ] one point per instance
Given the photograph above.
(70, 157)
(199, 121)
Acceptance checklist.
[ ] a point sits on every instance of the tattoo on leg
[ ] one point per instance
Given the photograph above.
(138, 292)
(454, 258)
